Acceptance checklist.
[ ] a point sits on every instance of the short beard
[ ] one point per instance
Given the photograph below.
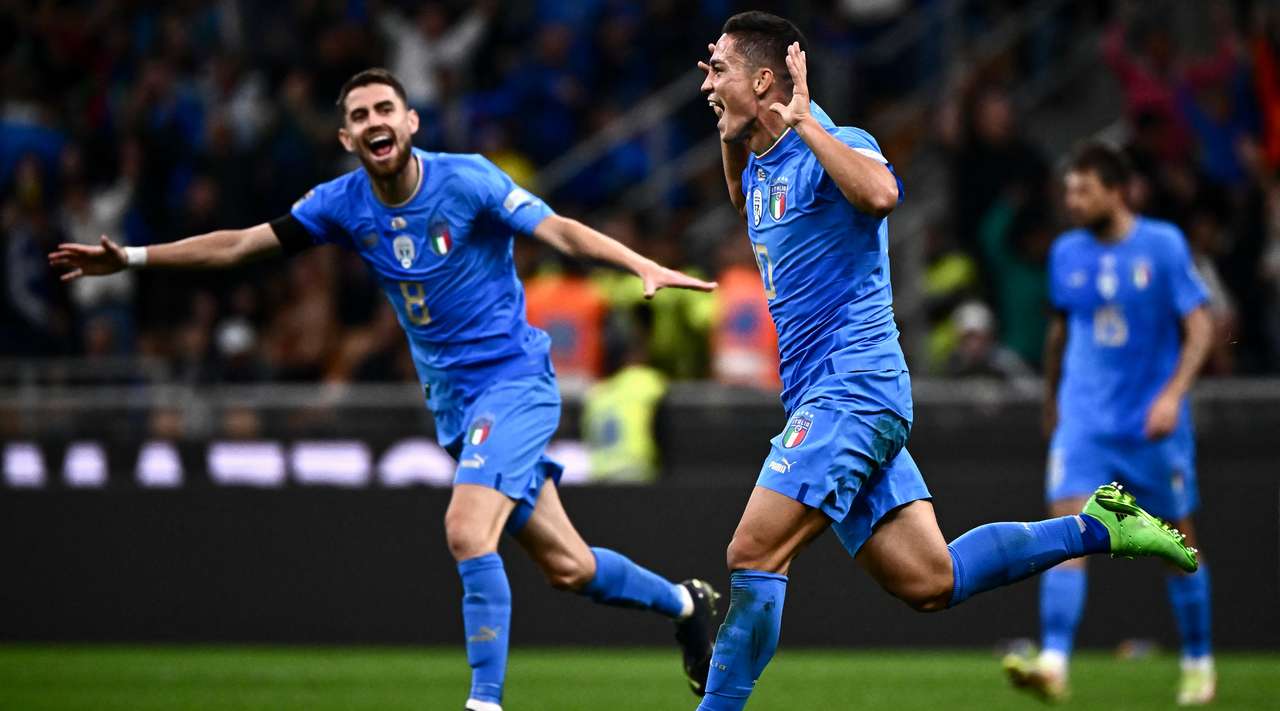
(379, 171)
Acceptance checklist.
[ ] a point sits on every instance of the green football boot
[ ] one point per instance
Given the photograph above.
(1135, 532)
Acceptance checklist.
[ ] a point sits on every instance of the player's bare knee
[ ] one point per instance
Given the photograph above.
(748, 552)
(930, 593)
(465, 539)
(463, 545)
(934, 597)
(567, 572)
(743, 553)
(930, 588)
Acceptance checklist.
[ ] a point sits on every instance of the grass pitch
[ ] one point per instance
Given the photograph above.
(49, 678)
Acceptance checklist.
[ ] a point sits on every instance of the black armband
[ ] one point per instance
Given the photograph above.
(293, 236)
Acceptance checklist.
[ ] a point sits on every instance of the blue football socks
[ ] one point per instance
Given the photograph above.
(747, 638)
(1002, 553)
(486, 618)
(620, 582)
(1062, 595)
(486, 608)
(1189, 595)
(1094, 536)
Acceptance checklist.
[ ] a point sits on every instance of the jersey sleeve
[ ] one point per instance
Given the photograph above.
(1186, 288)
(862, 143)
(498, 196)
(317, 212)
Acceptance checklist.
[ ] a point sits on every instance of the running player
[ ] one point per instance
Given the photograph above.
(437, 230)
(815, 197)
(1132, 324)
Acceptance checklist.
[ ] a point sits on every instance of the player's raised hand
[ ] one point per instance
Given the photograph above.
(704, 65)
(79, 260)
(798, 110)
(658, 277)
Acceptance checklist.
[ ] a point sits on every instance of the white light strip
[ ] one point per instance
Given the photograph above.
(331, 463)
(85, 466)
(159, 466)
(23, 465)
(258, 464)
(415, 461)
(573, 455)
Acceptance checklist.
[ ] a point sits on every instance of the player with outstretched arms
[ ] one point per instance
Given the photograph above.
(1129, 334)
(816, 197)
(437, 230)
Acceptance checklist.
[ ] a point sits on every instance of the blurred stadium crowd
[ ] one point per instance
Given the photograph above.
(149, 122)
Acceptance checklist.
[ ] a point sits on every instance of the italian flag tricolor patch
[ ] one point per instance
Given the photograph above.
(441, 240)
(797, 430)
(479, 431)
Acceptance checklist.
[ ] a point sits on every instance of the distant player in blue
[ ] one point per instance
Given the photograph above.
(1130, 315)
(815, 197)
(437, 230)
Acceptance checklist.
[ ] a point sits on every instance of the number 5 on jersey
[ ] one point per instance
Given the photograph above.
(415, 303)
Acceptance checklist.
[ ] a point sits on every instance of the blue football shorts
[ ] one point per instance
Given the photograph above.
(499, 438)
(851, 464)
(1161, 474)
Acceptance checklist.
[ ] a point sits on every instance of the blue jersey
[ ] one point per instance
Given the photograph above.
(825, 267)
(444, 260)
(1124, 303)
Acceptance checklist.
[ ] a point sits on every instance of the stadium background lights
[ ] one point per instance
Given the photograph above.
(267, 464)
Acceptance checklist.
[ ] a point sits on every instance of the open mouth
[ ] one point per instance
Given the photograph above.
(716, 105)
(381, 145)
